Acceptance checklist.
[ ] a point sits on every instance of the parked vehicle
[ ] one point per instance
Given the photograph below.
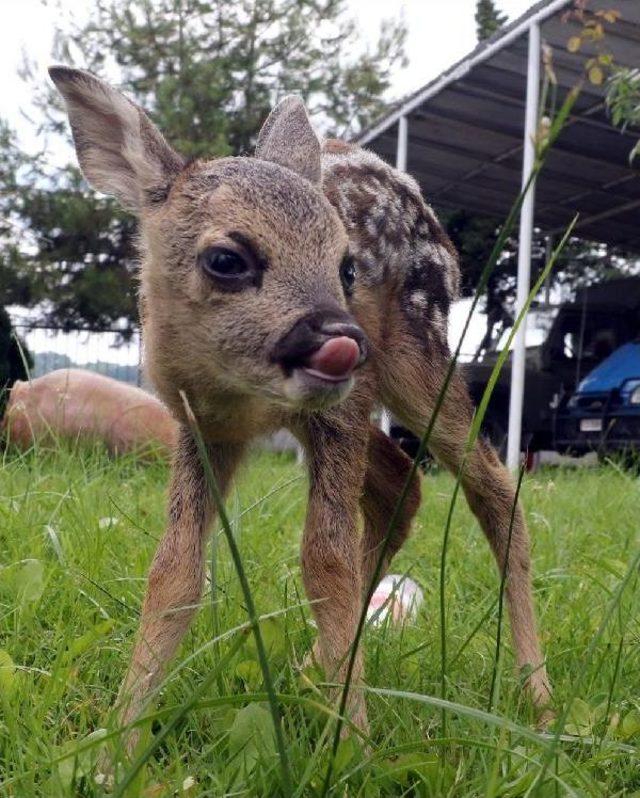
(603, 415)
(582, 333)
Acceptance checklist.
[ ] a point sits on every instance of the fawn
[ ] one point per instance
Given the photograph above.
(298, 288)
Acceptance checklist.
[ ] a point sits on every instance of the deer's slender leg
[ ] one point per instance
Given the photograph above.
(336, 446)
(387, 470)
(411, 392)
(177, 572)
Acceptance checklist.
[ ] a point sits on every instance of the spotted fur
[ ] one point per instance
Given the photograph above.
(395, 237)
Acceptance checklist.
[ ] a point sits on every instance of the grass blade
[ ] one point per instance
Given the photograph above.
(274, 708)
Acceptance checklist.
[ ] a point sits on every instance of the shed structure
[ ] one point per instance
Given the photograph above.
(467, 138)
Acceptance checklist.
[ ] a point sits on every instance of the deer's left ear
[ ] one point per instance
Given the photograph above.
(287, 138)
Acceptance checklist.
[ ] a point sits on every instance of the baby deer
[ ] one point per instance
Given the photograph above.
(299, 288)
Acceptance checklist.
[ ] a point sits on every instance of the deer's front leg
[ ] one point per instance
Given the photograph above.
(177, 573)
(331, 557)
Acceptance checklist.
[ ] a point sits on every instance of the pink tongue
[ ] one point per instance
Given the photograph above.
(336, 358)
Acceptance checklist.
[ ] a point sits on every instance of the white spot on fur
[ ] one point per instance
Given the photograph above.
(439, 319)
(419, 299)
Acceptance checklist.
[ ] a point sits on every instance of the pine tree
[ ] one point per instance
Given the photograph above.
(14, 358)
(208, 72)
(488, 19)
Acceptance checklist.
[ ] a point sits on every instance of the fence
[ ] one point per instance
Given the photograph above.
(106, 352)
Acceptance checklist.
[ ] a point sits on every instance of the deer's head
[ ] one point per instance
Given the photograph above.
(245, 266)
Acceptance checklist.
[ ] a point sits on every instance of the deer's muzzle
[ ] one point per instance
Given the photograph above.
(327, 344)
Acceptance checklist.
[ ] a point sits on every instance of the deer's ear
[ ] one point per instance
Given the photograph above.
(287, 138)
(120, 150)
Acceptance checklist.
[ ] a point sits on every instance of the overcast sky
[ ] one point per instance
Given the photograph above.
(440, 32)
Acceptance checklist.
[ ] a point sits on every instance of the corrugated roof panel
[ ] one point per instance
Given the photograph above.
(466, 141)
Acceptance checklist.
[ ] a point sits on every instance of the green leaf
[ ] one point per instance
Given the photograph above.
(272, 630)
(249, 671)
(8, 674)
(404, 769)
(630, 726)
(596, 76)
(77, 765)
(251, 737)
(348, 750)
(579, 719)
(85, 641)
(574, 43)
(29, 582)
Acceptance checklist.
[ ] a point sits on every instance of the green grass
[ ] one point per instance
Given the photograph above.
(77, 533)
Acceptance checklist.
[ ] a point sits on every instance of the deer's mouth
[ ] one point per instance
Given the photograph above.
(335, 361)
(325, 376)
(319, 357)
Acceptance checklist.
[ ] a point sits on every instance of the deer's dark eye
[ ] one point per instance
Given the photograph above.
(348, 274)
(223, 263)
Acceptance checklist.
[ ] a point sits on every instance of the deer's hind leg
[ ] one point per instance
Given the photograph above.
(388, 469)
(411, 381)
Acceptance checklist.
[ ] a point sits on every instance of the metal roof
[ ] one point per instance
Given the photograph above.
(465, 131)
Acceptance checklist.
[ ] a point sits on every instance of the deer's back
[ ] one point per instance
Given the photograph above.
(407, 267)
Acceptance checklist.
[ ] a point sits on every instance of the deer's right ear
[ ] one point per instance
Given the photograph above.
(120, 150)
(288, 139)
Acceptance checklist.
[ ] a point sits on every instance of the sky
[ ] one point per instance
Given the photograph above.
(440, 32)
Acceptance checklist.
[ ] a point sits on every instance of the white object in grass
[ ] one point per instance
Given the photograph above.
(396, 596)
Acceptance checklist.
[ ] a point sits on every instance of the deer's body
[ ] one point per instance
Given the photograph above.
(272, 335)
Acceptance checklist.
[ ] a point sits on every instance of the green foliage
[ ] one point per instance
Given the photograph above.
(71, 586)
(15, 279)
(81, 257)
(488, 19)
(580, 264)
(623, 101)
(208, 72)
(14, 355)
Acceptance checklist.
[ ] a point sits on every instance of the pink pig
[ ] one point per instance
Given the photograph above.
(78, 404)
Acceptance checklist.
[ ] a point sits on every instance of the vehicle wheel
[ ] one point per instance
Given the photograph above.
(494, 430)
(533, 461)
(409, 444)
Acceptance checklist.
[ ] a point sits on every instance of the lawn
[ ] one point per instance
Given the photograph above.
(77, 532)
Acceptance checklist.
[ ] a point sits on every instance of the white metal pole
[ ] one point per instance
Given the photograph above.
(524, 248)
(403, 141)
(401, 165)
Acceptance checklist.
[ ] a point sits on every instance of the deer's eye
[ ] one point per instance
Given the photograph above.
(223, 264)
(348, 274)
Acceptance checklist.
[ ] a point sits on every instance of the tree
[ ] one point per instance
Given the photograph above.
(14, 358)
(14, 284)
(623, 101)
(580, 264)
(488, 19)
(208, 71)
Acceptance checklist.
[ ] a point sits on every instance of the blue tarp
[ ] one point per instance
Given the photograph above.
(623, 364)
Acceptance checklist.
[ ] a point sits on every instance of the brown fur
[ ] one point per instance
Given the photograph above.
(218, 347)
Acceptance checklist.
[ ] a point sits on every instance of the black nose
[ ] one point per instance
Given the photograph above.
(311, 331)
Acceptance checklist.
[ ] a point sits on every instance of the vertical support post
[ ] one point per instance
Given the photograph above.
(524, 248)
(548, 252)
(401, 166)
(403, 141)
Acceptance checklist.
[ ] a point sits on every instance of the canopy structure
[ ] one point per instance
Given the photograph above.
(467, 137)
